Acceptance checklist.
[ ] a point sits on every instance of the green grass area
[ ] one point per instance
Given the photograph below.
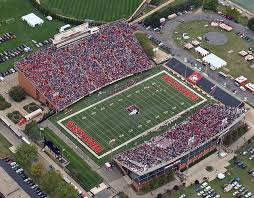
(4, 147)
(77, 167)
(107, 10)
(247, 4)
(232, 172)
(11, 12)
(108, 91)
(146, 44)
(236, 64)
(15, 116)
(3, 103)
(32, 107)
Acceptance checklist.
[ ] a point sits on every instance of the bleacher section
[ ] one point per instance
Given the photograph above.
(65, 75)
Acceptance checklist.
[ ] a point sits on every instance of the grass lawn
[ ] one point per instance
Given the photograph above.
(77, 167)
(107, 10)
(3, 103)
(15, 116)
(107, 131)
(11, 12)
(4, 147)
(236, 64)
(32, 107)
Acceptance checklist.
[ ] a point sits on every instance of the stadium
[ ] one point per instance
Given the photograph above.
(115, 104)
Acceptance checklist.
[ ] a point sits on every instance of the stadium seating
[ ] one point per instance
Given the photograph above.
(65, 75)
(202, 125)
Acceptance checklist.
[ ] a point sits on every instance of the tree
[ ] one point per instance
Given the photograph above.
(234, 13)
(32, 130)
(250, 24)
(50, 181)
(25, 155)
(17, 93)
(37, 169)
(153, 21)
(64, 190)
(210, 5)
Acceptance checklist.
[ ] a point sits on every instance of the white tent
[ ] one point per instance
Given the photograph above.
(32, 19)
(214, 61)
(221, 176)
(201, 51)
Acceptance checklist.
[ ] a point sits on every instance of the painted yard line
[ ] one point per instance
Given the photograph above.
(59, 122)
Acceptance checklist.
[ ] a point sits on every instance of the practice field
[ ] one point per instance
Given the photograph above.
(247, 4)
(131, 113)
(106, 10)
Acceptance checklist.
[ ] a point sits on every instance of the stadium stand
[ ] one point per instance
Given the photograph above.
(205, 126)
(59, 77)
(205, 84)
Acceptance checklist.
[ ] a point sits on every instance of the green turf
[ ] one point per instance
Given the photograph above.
(156, 99)
(237, 66)
(106, 10)
(77, 167)
(14, 10)
(247, 4)
(4, 147)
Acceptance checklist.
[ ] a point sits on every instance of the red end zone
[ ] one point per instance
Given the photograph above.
(181, 88)
(194, 77)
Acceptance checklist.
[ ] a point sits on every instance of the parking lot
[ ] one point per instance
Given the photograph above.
(17, 173)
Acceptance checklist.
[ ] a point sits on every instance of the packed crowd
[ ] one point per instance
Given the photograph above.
(199, 128)
(64, 75)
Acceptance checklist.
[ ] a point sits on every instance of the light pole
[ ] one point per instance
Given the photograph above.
(111, 144)
(190, 142)
(41, 129)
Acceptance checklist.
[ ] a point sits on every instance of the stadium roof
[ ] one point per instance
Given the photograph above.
(214, 61)
(32, 19)
(65, 75)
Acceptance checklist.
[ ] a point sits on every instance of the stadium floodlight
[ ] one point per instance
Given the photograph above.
(191, 140)
(111, 144)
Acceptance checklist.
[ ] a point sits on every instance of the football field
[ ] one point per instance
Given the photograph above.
(98, 10)
(131, 113)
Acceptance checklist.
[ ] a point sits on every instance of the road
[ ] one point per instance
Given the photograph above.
(166, 38)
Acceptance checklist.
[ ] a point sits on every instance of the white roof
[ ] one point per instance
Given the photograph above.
(250, 86)
(202, 51)
(214, 61)
(221, 176)
(241, 79)
(32, 19)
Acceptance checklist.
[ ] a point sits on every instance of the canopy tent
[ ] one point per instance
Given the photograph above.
(201, 51)
(214, 61)
(32, 19)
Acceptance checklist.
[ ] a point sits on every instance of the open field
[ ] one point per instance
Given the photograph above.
(4, 147)
(10, 15)
(247, 4)
(121, 126)
(107, 10)
(77, 167)
(229, 52)
(232, 172)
